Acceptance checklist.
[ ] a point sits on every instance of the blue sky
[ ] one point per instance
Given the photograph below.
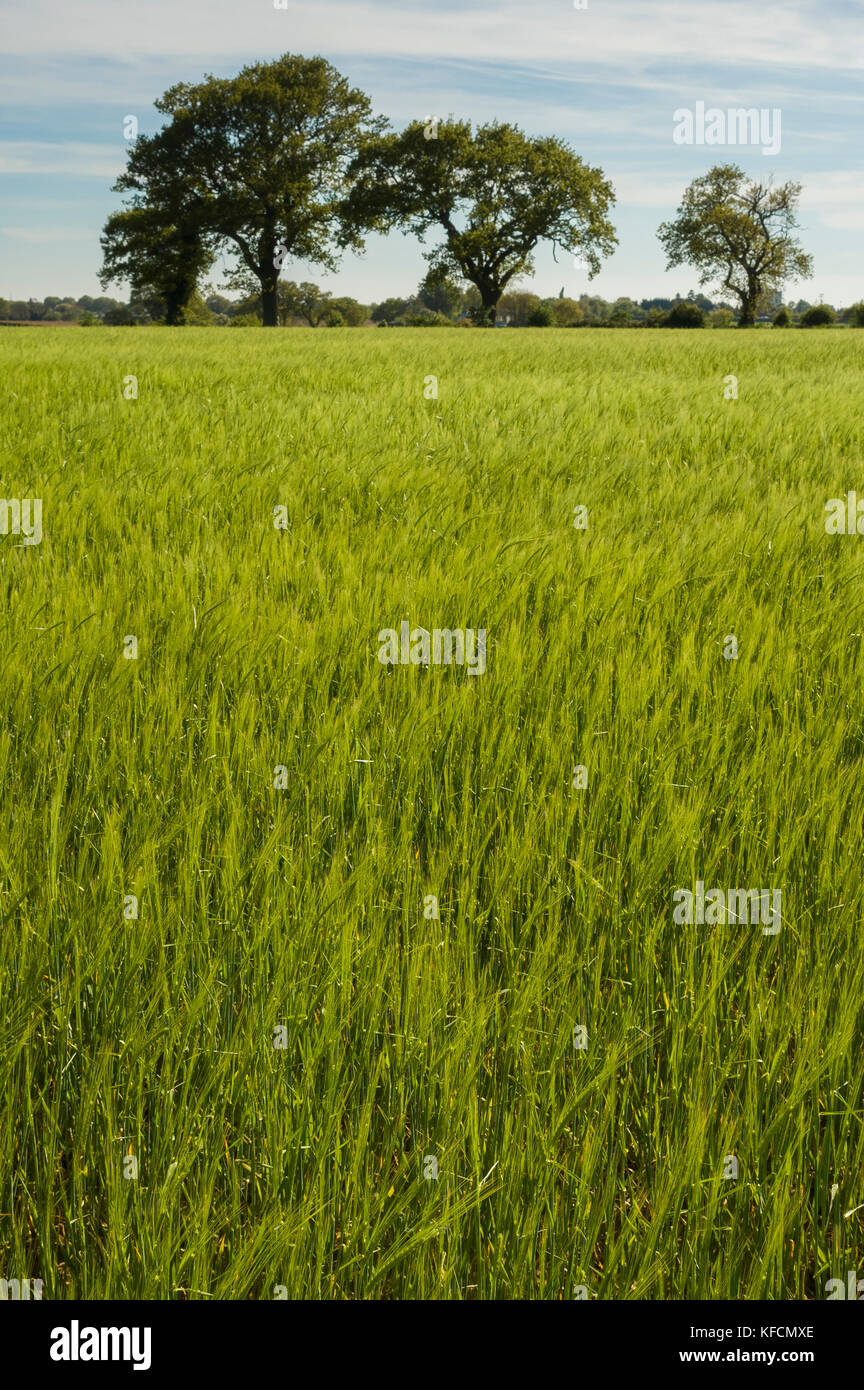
(607, 78)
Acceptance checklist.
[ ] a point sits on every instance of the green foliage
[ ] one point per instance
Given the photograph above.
(305, 301)
(567, 313)
(425, 319)
(684, 315)
(440, 292)
(160, 260)
(354, 315)
(541, 317)
(495, 195)
(818, 316)
(740, 232)
(98, 306)
(389, 311)
(121, 317)
(257, 163)
(783, 318)
(518, 305)
(197, 313)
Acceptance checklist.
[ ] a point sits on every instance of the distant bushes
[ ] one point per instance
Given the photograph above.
(425, 320)
(684, 315)
(818, 316)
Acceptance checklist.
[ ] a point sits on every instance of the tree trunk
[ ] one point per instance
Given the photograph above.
(748, 305)
(269, 306)
(268, 274)
(490, 299)
(176, 300)
(174, 315)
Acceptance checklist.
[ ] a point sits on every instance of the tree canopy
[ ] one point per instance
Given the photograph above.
(161, 260)
(257, 162)
(494, 193)
(740, 231)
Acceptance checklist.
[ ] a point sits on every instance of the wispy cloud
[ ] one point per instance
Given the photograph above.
(53, 157)
(733, 31)
(45, 235)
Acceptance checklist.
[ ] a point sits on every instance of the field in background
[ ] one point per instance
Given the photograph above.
(408, 1037)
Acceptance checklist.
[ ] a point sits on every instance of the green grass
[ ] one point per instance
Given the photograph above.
(409, 1036)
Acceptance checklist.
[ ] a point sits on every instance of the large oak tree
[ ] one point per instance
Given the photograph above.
(258, 162)
(494, 193)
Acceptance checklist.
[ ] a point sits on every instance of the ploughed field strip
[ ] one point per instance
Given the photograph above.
(432, 831)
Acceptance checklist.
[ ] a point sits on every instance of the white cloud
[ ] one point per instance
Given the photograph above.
(630, 31)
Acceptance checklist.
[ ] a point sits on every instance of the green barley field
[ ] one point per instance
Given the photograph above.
(286, 1073)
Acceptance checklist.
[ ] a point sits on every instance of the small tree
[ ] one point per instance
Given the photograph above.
(198, 315)
(389, 311)
(566, 312)
(782, 319)
(740, 231)
(517, 305)
(161, 260)
(121, 317)
(354, 315)
(310, 302)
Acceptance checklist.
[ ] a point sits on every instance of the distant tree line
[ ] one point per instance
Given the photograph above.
(55, 308)
(436, 303)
